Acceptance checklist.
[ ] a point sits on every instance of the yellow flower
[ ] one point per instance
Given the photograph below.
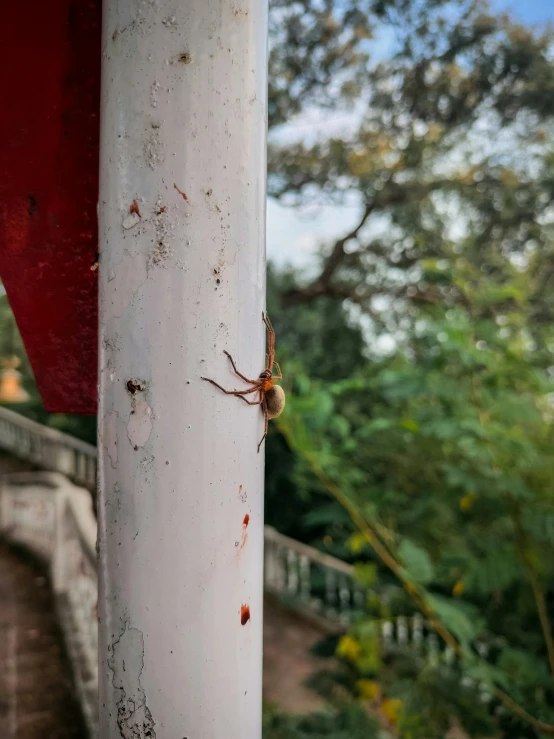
(467, 501)
(348, 648)
(368, 689)
(458, 588)
(391, 709)
(357, 542)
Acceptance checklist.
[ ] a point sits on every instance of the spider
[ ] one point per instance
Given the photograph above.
(272, 397)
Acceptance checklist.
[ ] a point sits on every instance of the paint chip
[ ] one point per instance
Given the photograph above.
(131, 221)
(140, 424)
(126, 663)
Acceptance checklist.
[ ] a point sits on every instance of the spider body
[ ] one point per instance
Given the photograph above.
(267, 386)
(271, 397)
(274, 401)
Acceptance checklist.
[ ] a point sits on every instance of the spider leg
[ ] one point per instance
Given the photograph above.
(270, 341)
(278, 376)
(239, 393)
(266, 417)
(242, 377)
(267, 322)
(250, 402)
(270, 331)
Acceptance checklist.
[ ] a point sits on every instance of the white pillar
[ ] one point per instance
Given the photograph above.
(182, 277)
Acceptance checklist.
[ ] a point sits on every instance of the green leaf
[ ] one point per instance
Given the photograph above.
(416, 562)
(374, 427)
(460, 619)
(365, 574)
(410, 424)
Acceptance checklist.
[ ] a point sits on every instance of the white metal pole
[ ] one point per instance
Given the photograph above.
(182, 278)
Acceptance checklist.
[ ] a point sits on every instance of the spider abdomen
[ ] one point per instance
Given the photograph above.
(275, 401)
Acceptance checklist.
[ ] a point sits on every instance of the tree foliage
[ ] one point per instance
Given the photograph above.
(443, 460)
(439, 453)
(350, 722)
(451, 158)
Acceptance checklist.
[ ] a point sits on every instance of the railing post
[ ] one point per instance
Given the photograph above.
(59, 563)
(182, 278)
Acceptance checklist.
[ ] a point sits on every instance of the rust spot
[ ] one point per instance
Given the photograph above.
(244, 537)
(181, 193)
(135, 208)
(185, 58)
(162, 210)
(244, 614)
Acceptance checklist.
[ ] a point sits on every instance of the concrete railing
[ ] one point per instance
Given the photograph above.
(48, 449)
(53, 518)
(312, 580)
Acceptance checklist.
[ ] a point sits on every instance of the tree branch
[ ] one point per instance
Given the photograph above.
(323, 285)
(521, 713)
(538, 595)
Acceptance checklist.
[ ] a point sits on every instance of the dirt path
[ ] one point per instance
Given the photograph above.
(37, 700)
(288, 639)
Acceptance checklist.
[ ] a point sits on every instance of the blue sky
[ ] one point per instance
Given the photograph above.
(530, 11)
(293, 236)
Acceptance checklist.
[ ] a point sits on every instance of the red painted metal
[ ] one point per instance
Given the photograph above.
(49, 129)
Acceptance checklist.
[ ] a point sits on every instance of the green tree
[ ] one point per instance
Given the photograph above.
(451, 158)
(443, 460)
(440, 453)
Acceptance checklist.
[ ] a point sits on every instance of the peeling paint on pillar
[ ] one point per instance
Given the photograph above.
(139, 426)
(127, 663)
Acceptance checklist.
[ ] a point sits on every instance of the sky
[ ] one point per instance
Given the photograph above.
(293, 236)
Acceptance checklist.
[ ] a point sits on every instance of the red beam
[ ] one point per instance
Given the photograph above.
(49, 129)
